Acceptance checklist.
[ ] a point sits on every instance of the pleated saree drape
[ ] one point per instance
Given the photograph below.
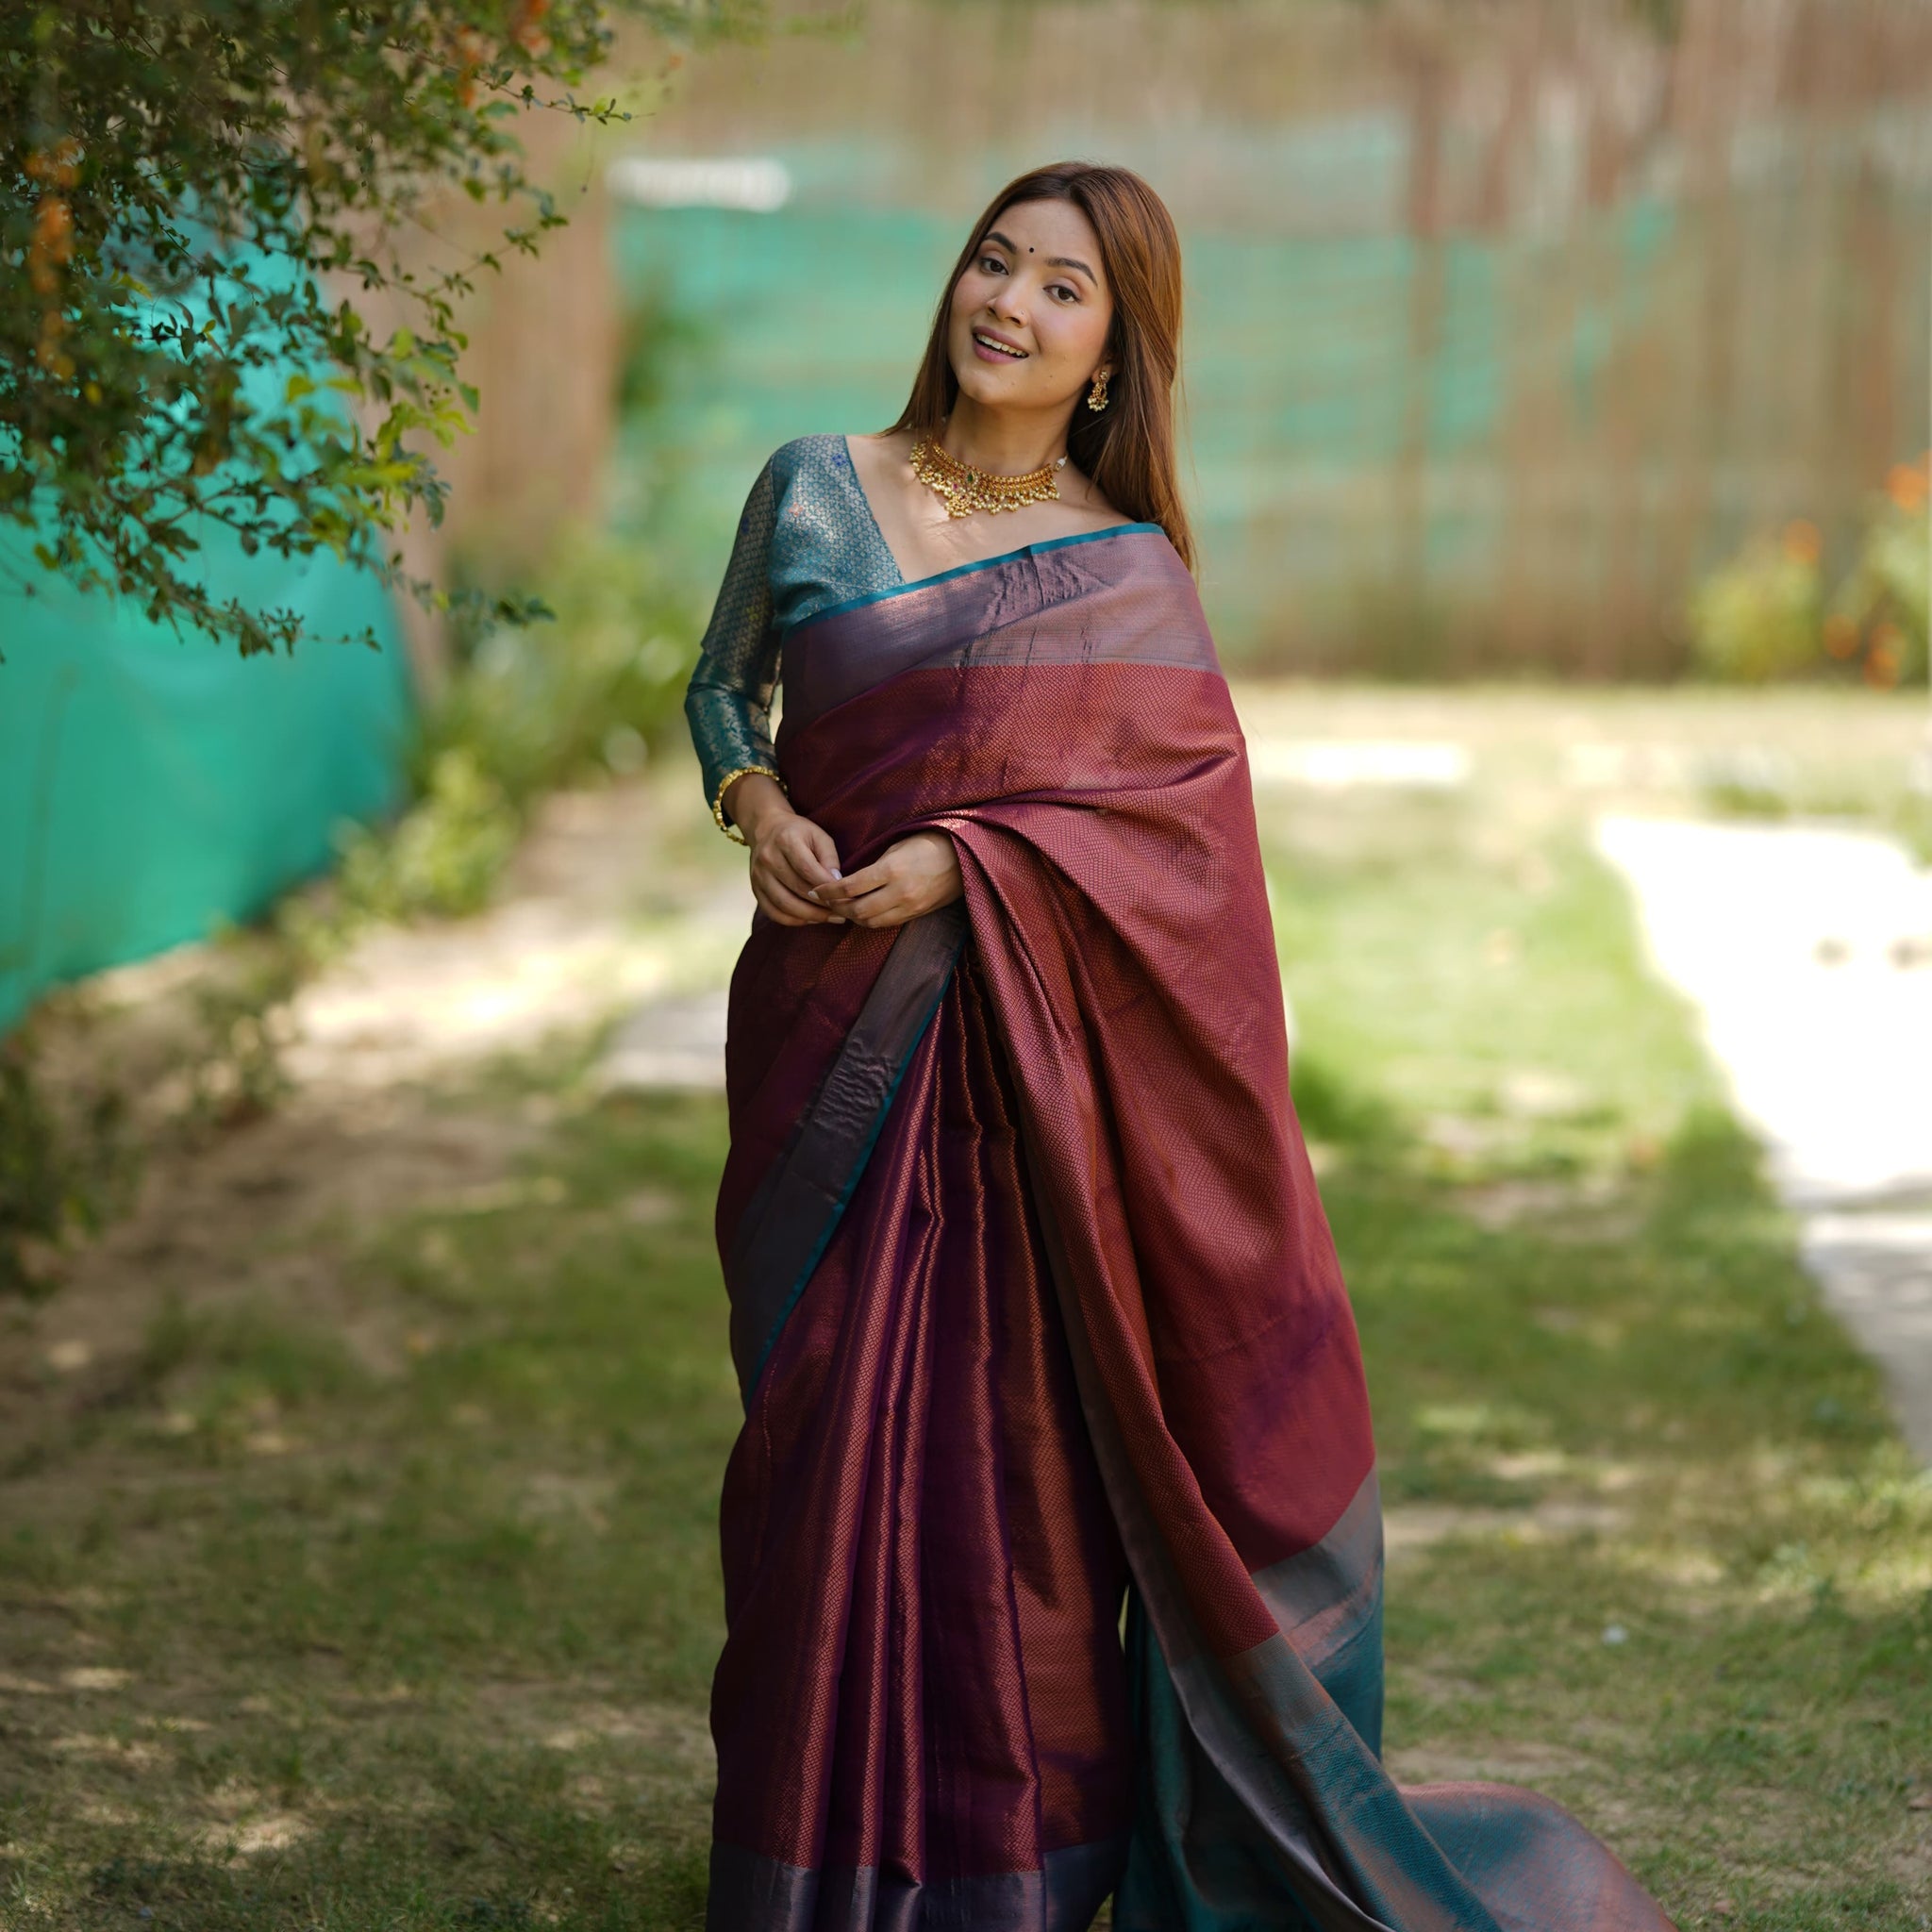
(1034, 1306)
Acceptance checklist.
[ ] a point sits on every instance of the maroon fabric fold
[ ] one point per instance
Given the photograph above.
(1080, 1319)
(922, 1676)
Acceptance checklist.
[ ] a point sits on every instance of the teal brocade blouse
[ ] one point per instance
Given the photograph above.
(807, 539)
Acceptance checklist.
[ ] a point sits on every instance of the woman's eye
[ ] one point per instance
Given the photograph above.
(1062, 288)
(992, 260)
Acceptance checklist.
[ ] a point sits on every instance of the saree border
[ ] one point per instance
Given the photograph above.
(1000, 613)
(1263, 1720)
(802, 1196)
(960, 570)
(753, 1893)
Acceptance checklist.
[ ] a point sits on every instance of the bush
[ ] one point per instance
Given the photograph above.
(530, 710)
(444, 856)
(1765, 614)
(586, 695)
(1878, 617)
(64, 1170)
(1758, 617)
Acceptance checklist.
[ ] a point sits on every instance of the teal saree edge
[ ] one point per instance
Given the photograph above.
(860, 1161)
(960, 570)
(798, 1205)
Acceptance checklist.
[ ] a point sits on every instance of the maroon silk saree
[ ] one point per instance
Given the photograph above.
(1035, 1311)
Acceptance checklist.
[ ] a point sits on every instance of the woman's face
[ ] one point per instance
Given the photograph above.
(1035, 284)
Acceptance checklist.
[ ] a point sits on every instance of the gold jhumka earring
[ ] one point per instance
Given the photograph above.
(1096, 397)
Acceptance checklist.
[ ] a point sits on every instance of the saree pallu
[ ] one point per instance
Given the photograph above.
(1035, 1309)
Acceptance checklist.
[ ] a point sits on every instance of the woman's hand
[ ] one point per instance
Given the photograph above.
(790, 858)
(917, 875)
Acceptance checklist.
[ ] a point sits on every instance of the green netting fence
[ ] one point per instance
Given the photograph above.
(153, 786)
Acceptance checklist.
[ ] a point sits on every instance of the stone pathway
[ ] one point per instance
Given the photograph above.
(591, 921)
(678, 1041)
(1807, 952)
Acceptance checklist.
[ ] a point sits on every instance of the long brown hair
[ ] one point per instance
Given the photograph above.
(1127, 448)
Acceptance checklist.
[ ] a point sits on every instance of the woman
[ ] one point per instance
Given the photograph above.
(1033, 1303)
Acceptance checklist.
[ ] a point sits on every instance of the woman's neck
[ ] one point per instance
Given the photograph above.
(1004, 442)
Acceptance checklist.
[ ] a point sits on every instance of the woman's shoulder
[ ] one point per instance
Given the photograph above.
(818, 452)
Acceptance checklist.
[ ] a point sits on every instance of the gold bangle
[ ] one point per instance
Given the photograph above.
(725, 784)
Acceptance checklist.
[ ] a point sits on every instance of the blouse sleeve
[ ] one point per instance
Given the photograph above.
(727, 702)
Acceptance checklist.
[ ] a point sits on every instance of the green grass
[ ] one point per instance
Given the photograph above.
(299, 1631)
(1655, 1546)
(448, 1631)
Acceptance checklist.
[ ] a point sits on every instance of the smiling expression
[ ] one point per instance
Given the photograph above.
(1030, 315)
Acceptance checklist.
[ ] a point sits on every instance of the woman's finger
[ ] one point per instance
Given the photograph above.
(818, 856)
(779, 865)
(882, 902)
(777, 897)
(805, 857)
(868, 878)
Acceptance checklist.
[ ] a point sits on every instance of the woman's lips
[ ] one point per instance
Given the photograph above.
(988, 355)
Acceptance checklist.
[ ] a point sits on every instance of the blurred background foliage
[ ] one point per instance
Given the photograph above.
(592, 694)
(1771, 612)
(203, 209)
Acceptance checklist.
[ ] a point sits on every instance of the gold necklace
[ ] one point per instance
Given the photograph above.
(964, 489)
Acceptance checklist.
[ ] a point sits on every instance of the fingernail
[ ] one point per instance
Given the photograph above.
(837, 873)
